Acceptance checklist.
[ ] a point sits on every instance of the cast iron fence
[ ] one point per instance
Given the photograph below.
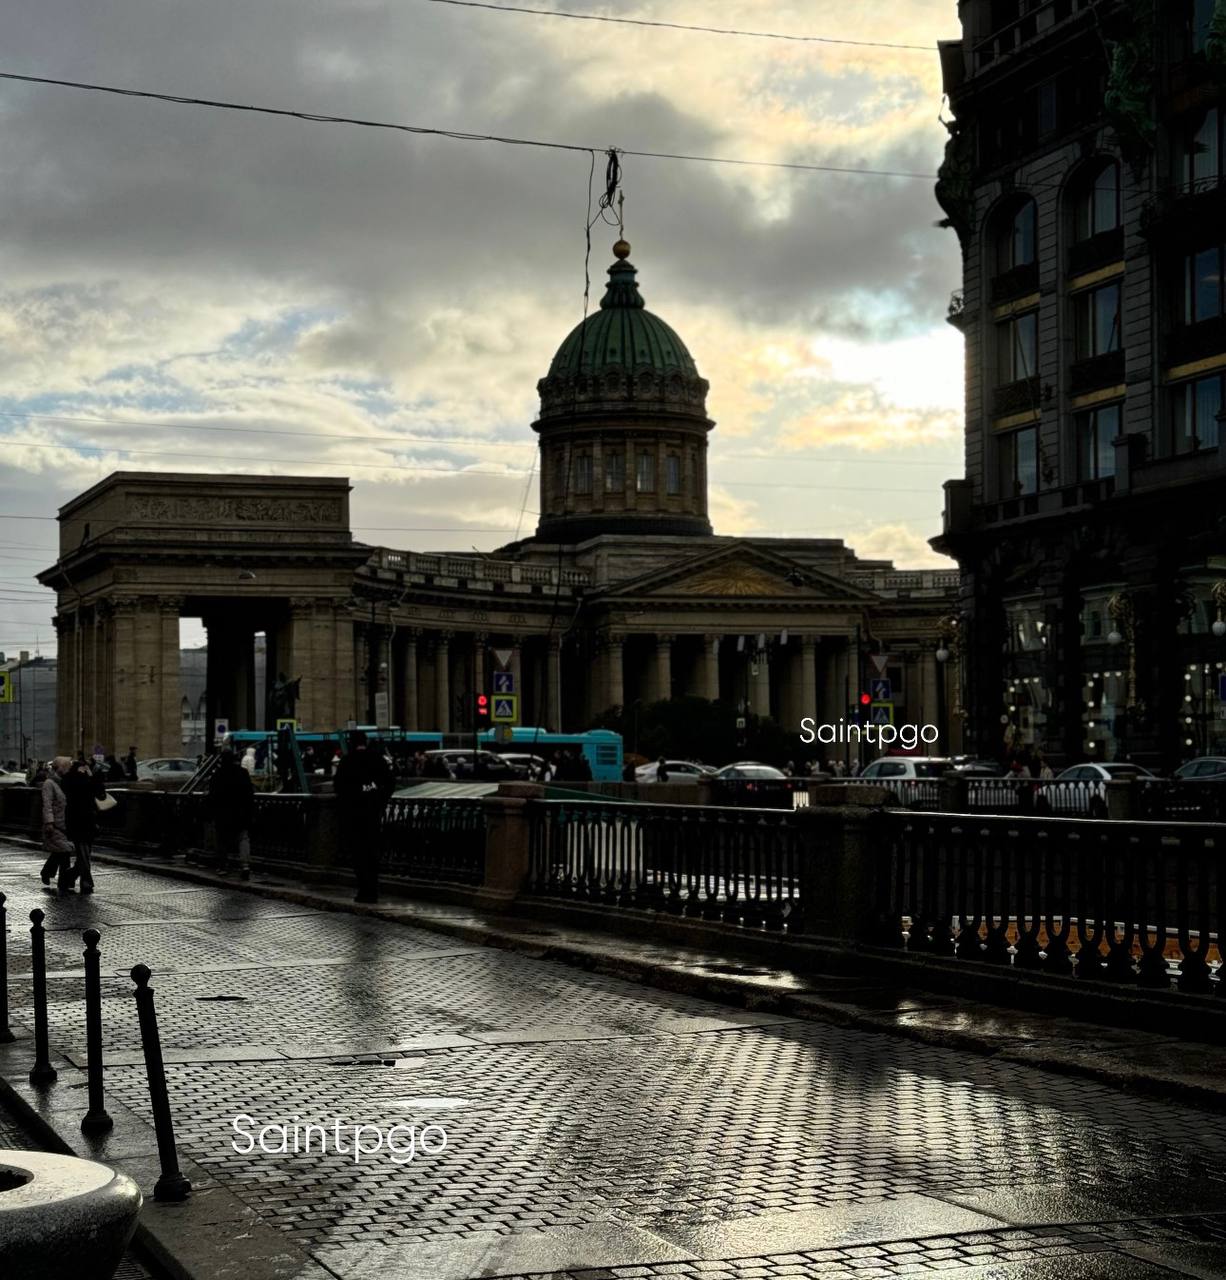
(1123, 902)
(739, 866)
(437, 839)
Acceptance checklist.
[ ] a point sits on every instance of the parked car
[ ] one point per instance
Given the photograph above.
(490, 767)
(749, 771)
(166, 769)
(1203, 768)
(912, 781)
(524, 764)
(11, 779)
(749, 782)
(1081, 789)
(684, 771)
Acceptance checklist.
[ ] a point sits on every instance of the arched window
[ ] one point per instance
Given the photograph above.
(1017, 237)
(1096, 201)
(1199, 147)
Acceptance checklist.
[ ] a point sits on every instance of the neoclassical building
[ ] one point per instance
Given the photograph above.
(624, 594)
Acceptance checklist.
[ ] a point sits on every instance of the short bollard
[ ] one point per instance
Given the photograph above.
(96, 1119)
(42, 1072)
(6, 1034)
(171, 1185)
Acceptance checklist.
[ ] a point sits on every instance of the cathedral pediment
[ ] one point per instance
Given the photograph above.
(740, 571)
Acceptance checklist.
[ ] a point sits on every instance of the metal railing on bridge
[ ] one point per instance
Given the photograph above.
(435, 839)
(739, 866)
(1124, 902)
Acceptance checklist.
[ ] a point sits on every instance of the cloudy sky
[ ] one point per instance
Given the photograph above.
(184, 288)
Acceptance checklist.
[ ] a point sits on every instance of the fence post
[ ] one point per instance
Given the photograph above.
(841, 848)
(323, 855)
(42, 1072)
(6, 1034)
(1121, 800)
(507, 851)
(954, 790)
(171, 1185)
(95, 1119)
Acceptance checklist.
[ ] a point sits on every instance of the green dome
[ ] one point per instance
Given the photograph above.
(622, 335)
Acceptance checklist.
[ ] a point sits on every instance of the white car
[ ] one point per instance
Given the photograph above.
(12, 779)
(685, 771)
(166, 769)
(1082, 788)
(905, 767)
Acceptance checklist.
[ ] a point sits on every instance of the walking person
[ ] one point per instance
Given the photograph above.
(232, 801)
(55, 834)
(363, 784)
(83, 789)
(129, 764)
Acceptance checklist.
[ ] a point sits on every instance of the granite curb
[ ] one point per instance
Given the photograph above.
(1113, 1056)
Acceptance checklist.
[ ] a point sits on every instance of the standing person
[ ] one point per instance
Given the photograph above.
(55, 835)
(114, 771)
(232, 801)
(363, 784)
(82, 791)
(661, 770)
(129, 764)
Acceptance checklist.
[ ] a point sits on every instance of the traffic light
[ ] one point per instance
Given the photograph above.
(483, 708)
(865, 699)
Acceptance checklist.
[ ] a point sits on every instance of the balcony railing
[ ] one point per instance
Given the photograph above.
(1040, 19)
(1196, 341)
(1098, 251)
(1015, 397)
(1017, 282)
(1096, 372)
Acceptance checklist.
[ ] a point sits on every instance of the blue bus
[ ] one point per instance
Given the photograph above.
(601, 748)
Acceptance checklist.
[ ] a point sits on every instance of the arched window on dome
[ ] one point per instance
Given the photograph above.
(645, 472)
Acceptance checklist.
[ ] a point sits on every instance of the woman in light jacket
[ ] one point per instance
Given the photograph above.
(55, 833)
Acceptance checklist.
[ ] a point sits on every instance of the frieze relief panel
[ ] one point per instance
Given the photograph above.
(198, 509)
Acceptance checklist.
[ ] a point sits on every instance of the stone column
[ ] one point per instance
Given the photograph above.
(123, 676)
(66, 683)
(343, 669)
(708, 668)
(760, 684)
(297, 661)
(442, 682)
(104, 729)
(662, 673)
(615, 689)
(408, 680)
(480, 641)
(808, 678)
(148, 646)
(169, 685)
(553, 684)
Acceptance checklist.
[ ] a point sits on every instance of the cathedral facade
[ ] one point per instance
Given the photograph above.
(624, 596)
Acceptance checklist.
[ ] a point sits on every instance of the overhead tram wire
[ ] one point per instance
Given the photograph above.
(457, 135)
(684, 26)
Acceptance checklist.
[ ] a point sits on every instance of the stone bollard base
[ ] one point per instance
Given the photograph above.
(62, 1218)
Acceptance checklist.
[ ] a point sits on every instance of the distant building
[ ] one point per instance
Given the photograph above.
(1084, 178)
(27, 724)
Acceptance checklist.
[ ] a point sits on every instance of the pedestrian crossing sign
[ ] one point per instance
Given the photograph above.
(286, 723)
(881, 713)
(506, 708)
(6, 686)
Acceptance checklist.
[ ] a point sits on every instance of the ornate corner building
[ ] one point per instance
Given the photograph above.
(1084, 178)
(623, 596)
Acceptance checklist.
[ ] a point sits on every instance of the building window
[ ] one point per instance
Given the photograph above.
(1018, 462)
(672, 474)
(1098, 203)
(1095, 432)
(1097, 314)
(614, 472)
(1200, 21)
(1017, 342)
(1198, 152)
(1196, 409)
(1017, 244)
(645, 476)
(1203, 294)
(583, 473)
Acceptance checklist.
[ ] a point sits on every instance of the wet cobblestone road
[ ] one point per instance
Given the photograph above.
(600, 1128)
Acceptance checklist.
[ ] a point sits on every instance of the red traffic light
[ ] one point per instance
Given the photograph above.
(483, 705)
(865, 699)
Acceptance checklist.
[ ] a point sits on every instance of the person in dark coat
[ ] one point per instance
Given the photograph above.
(113, 770)
(129, 764)
(232, 802)
(82, 791)
(55, 837)
(363, 784)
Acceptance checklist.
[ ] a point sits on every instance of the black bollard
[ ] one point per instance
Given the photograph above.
(42, 1072)
(96, 1119)
(171, 1185)
(6, 1034)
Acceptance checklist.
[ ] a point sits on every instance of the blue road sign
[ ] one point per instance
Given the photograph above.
(881, 713)
(879, 687)
(504, 682)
